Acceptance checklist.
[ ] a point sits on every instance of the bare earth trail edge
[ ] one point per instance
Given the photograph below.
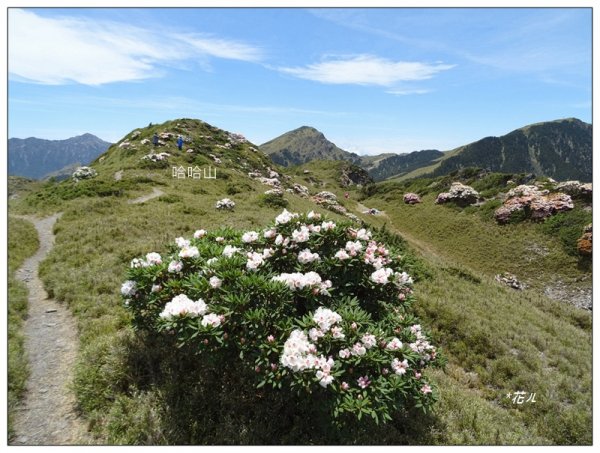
(47, 414)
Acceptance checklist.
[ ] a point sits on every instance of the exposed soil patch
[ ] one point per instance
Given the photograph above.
(155, 193)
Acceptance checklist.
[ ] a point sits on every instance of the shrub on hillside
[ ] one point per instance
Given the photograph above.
(307, 304)
(273, 199)
(84, 173)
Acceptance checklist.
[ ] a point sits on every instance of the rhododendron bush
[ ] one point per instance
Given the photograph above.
(320, 306)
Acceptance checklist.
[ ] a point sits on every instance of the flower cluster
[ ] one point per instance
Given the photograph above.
(84, 173)
(156, 157)
(460, 194)
(304, 302)
(225, 203)
(531, 202)
(411, 198)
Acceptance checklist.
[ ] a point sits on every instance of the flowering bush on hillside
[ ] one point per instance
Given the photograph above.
(225, 203)
(309, 303)
(156, 157)
(84, 173)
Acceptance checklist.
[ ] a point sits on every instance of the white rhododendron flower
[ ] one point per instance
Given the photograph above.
(358, 349)
(354, 247)
(229, 250)
(344, 353)
(183, 306)
(211, 319)
(128, 288)
(382, 275)
(337, 333)
(325, 318)
(175, 266)
(153, 258)
(298, 280)
(363, 234)
(225, 203)
(297, 353)
(342, 255)
(315, 334)
(254, 261)
(301, 235)
(215, 282)
(328, 225)
(136, 263)
(189, 252)
(399, 367)
(250, 236)
(306, 256)
(156, 288)
(199, 234)
(270, 234)
(394, 344)
(369, 340)
(402, 278)
(181, 242)
(284, 217)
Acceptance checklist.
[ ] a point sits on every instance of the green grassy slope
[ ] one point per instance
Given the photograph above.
(497, 340)
(22, 243)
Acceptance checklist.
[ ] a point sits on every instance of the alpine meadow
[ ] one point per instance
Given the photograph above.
(371, 235)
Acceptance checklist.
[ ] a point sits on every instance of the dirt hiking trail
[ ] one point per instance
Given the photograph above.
(156, 192)
(47, 415)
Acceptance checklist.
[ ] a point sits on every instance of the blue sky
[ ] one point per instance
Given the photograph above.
(373, 80)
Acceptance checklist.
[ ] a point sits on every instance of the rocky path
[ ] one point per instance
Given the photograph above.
(47, 415)
(156, 192)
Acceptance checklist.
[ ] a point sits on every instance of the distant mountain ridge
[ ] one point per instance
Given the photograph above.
(401, 164)
(303, 145)
(560, 149)
(35, 157)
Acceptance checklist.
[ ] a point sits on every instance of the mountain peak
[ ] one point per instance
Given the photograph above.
(36, 157)
(302, 145)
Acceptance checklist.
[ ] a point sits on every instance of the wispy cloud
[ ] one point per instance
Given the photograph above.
(57, 51)
(366, 70)
(407, 92)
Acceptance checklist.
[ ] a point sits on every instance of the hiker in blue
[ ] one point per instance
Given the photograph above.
(155, 139)
(179, 142)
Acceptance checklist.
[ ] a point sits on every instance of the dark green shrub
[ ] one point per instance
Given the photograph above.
(272, 200)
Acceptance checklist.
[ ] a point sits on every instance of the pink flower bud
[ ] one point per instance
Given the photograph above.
(257, 369)
(345, 386)
(270, 338)
(353, 326)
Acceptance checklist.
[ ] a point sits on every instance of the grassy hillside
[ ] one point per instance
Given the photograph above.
(22, 243)
(497, 340)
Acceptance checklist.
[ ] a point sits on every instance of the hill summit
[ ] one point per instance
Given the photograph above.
(303, 145)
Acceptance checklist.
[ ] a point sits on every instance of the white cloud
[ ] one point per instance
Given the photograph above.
(366, 70)
(57, 51)
(407, 92)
